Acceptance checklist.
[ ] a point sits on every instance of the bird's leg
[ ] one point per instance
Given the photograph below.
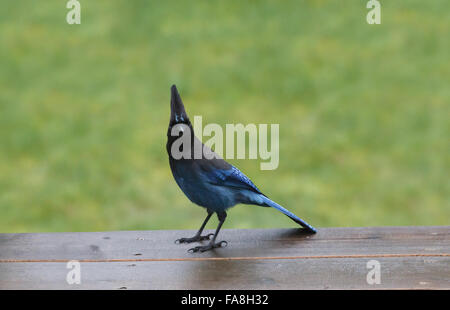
(198, 236)
(212, 244)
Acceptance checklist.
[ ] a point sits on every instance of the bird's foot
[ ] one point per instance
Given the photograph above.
(194, 239)
(208, 247)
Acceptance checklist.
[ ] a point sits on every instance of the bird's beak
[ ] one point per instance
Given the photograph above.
(177, 112)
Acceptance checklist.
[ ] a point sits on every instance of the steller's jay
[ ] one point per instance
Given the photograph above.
(209, 182)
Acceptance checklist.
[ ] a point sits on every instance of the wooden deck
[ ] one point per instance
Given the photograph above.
(334, 258)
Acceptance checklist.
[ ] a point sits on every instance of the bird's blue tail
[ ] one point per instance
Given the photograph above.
(269, 203)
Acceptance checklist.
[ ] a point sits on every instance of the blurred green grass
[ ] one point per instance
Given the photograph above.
(363, 110)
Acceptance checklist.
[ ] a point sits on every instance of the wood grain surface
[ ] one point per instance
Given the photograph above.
(334, 258)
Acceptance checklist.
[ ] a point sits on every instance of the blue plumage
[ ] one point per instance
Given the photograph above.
(232, 178)
(213, 183)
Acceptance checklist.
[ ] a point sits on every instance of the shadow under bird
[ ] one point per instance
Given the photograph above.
(209, 181)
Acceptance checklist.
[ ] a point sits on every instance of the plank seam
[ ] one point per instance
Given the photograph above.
(118, 260)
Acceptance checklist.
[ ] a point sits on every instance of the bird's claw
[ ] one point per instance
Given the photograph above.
(194, 239)
(207, 237)
(208, 247)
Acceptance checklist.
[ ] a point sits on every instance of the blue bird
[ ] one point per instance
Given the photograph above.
(209, 181)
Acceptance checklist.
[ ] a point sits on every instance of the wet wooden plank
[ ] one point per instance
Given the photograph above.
(335, 258)
(344, 273)
(241, 243)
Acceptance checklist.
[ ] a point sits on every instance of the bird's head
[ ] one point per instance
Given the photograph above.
(179, 121)
(177, 113)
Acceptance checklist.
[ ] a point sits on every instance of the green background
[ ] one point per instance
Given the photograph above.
(363, 110)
